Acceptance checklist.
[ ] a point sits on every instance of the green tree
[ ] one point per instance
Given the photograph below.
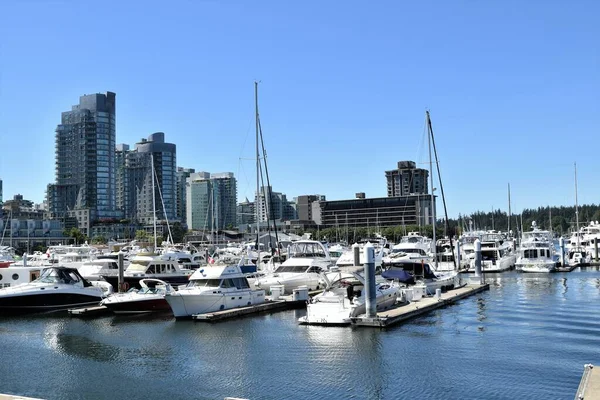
(76, 234)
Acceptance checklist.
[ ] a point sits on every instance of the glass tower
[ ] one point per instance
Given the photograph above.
(85, 158)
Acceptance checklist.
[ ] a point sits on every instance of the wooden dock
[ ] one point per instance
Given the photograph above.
(285, 303)
(589, 386)
(416, 308)
(93, 311)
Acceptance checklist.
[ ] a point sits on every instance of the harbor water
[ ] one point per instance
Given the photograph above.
(528, 337)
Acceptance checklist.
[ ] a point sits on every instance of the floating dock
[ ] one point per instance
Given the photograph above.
(92, 311)
(416, 308)
(589, 387)
(283, 303)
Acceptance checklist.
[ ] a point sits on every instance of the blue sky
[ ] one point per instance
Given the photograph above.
(512, 87)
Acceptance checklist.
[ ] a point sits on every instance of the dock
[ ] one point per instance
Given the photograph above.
(92, 311)
(589, 387)
(283, 303)
(416, 308)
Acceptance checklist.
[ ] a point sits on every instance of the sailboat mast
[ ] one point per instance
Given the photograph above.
(153, 198)
(576, 206)
(509, 208)
(432, 190)
(256, 206)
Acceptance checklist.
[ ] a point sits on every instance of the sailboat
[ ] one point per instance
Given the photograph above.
(577, 255)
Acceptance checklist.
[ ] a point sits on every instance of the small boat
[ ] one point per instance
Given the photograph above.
(344, 298)
(150, 298)
(93, 270)
(212, 289)
(57, 288)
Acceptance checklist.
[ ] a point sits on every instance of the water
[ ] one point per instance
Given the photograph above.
(528, 338)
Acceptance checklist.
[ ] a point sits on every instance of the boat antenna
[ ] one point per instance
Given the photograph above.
(441, 186)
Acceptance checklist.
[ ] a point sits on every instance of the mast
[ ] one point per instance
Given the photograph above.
(153, 199)
(257, 176)
(432, 190)
(509, 208)
(441, 188)
(576, 206)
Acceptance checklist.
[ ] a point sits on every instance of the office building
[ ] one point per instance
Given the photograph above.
(278, 208)
(181, 175)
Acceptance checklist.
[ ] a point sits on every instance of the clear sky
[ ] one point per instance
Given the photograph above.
(512, 86)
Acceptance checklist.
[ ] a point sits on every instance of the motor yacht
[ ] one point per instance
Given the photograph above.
(306, 260)
(55, 289)
(497, 254)
(413, 271)
(213, 288)
(537, 252)
(149, 265)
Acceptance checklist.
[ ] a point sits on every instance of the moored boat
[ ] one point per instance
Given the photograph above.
(149, 299)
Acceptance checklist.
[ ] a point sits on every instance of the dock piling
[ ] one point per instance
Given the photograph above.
(371, 295)
(121, 278)
(356, 254)
(561, 241)
(478, 278)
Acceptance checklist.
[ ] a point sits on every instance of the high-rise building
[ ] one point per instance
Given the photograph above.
(85, 159)
(211, 201)
(406, 180)
(182, 175)
(0, 191)
(246, 213)
(278, 209)
(138, 196)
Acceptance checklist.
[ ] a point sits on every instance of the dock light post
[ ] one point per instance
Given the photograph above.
(371, 295)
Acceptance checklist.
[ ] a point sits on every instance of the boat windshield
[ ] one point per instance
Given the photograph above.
(205, 283)
(138, 266)
(307, 249)
(52, 275)
(298, 269)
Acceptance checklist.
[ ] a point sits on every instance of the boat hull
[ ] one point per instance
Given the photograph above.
(188, 302)
(143, 306)
(27, 303)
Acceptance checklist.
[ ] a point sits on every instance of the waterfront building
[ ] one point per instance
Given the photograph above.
(181, 175)
(377, 212)
(246, 213)
(85, 159)
(137, 195)
(211, 201)
(304, 206)
(278, 208)
(407, 179)
(1, 191)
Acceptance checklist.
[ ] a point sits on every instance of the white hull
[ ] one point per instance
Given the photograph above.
(504, 264)
(543, 267)
(335, 309)
(191, 301)
(290, 281)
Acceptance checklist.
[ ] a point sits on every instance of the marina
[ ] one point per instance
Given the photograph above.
(488, 345)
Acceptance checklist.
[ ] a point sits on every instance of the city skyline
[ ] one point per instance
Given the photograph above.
(512, 88)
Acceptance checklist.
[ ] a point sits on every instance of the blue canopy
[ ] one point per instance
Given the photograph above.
(398, 274)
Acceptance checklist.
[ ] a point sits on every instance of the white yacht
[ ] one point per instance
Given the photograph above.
(345, 298)
(537, 252)
(212, 289)
(346, 260)
(578, 256)
(497, 253)
(93, 270)
(55, 289)
(306, 260)
(148, 265)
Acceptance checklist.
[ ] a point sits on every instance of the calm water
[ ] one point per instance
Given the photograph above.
(527, 338)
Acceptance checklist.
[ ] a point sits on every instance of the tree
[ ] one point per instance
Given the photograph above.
(76, 234)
